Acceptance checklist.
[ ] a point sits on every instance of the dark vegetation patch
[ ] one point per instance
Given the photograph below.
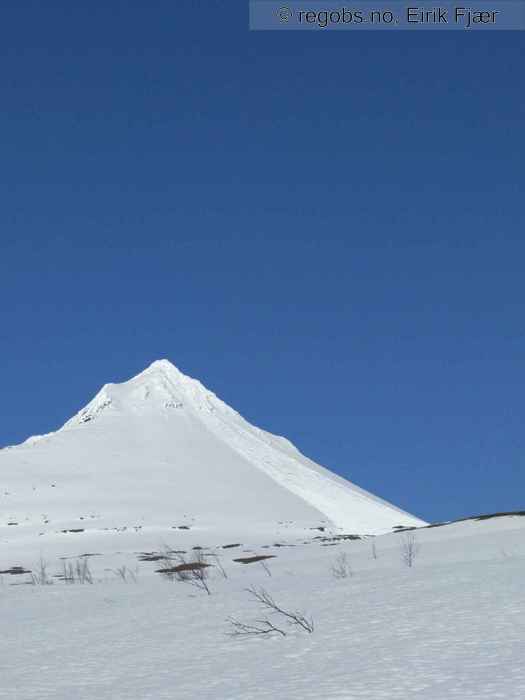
(187, 566)
(252, 560)
(75, 529)
(16, 571)
(337, 538)
(181, 527)
(500, 515)
(279, 544)
(12, 523)
(150, 556)
(230, 546)
(485, 516)
(157, 556)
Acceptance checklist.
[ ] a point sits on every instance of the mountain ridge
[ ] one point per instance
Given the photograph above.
(166, 443)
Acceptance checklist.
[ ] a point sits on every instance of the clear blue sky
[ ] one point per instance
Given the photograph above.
(326, 228)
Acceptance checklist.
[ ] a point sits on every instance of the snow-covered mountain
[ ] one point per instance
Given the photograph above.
(161, 451)
(158, 468)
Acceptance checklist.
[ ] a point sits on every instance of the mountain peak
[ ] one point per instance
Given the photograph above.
(162, 432)
(160, 368)
(159, 387)
(162, 365)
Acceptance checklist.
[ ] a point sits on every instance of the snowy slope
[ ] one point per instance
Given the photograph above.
(161, 451)
(451, 627)
(158, 453)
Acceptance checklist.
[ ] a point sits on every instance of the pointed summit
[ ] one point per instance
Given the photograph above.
(161, 443)
(162, 366)
(159, 387)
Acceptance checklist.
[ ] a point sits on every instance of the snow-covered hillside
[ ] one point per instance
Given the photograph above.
(158, 452)
(450, 627)
(158, 471)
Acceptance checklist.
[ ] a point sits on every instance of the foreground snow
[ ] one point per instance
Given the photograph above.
(450, 627)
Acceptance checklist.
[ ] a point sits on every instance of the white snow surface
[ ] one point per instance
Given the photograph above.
(161, 451)
(450, 627)
(160, 464)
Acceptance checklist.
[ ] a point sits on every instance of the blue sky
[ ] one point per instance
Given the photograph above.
(326, 228)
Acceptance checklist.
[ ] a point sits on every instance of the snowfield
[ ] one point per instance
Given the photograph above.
(451, 626)
(158, 468)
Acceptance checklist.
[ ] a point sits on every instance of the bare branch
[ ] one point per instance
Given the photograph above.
(193, 572)
(293, 618)
(126, 574)
(240, 629)
(218, 564)
(41, 577)
(266, 568)
(76, 573)
(341, 567)
(409, 549)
